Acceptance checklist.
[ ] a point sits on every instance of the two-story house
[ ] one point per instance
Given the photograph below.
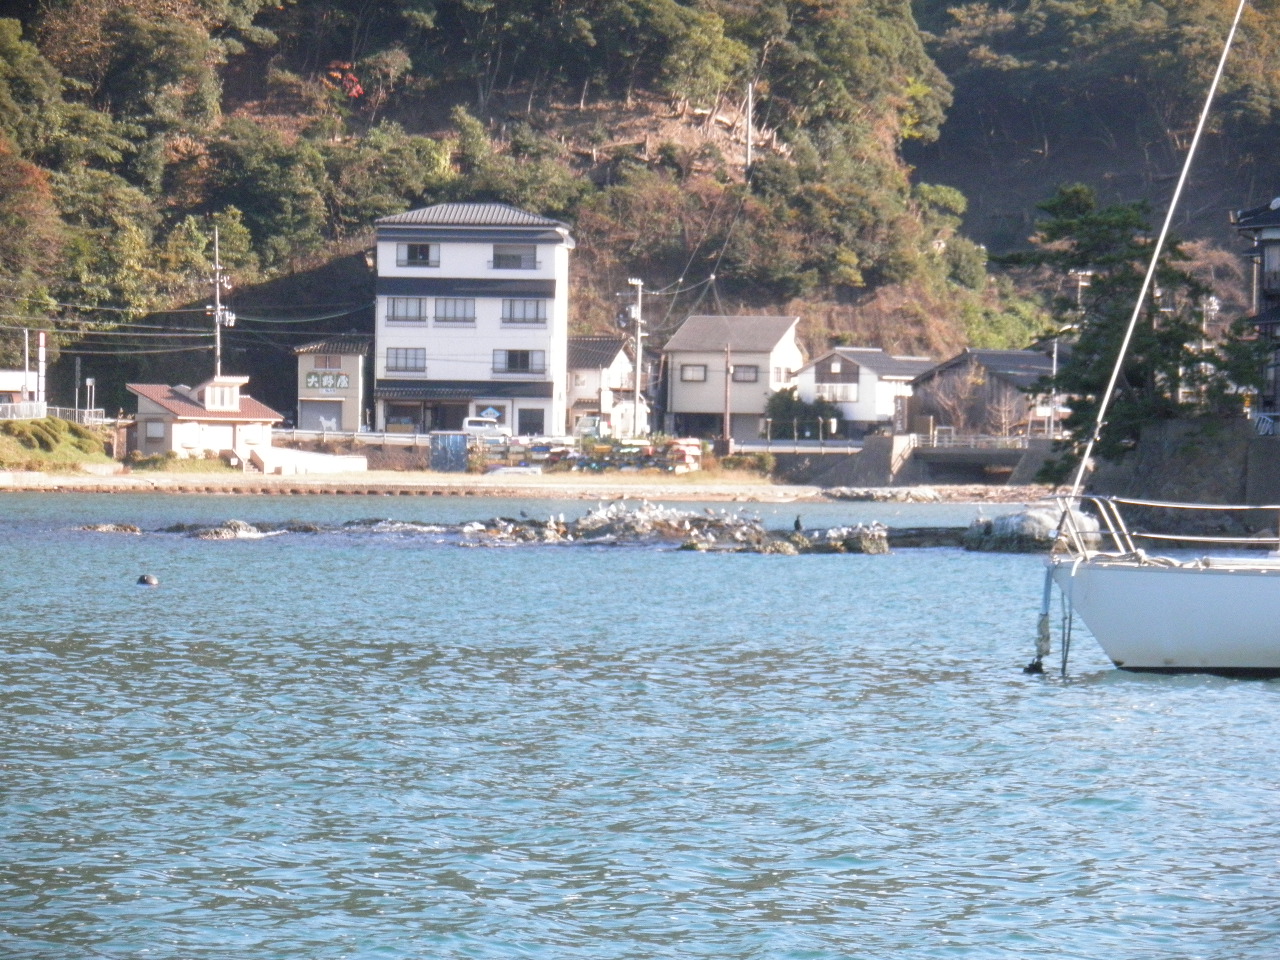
(472, 318)
(868, 386)
(982, 392)
(602, 384)
(331, 383)
(728, 366)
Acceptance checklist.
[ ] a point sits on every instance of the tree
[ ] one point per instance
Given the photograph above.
(1166, 372)
(278, 185)
(31, 238)
(792, 418)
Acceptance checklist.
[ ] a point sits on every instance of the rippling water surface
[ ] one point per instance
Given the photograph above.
(376, 744)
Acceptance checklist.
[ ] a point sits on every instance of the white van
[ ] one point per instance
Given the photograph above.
(484, 427)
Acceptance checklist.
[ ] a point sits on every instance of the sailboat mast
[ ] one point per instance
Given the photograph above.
(1155, 257)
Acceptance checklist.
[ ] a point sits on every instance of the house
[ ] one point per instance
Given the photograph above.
(981, 392)
(471, 319)
(728, 366)
(212, 419)
(1262, 226)
(869, 386)
(331, 383)
(601, 382)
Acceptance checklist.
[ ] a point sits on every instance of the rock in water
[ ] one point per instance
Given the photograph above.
(1032, 530)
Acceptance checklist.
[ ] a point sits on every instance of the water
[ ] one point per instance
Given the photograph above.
(384, 745)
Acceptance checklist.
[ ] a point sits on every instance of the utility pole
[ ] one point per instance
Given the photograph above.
(639, 320)
(728, 377)
(221, 316)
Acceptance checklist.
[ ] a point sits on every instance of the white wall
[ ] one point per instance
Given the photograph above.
(346, 402)
(708, 396)
(458, 351)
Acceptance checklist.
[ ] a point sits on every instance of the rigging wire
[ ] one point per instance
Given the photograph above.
(1108, 394)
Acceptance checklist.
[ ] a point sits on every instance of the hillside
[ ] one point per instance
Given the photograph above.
(886, 157)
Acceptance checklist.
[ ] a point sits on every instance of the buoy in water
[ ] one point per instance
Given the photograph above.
(147, 580)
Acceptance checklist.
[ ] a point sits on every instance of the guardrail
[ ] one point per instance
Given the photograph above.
(381, 437)
(384, 437)
(960, 441)
(797, 446)
(36, 410)
(80, 415)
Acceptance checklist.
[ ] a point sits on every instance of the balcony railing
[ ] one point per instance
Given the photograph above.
(527, 371)
(514, 261)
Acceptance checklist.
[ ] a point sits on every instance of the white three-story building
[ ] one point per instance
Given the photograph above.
(472, 319)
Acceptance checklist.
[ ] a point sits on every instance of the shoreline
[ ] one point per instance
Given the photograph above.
(546, 486)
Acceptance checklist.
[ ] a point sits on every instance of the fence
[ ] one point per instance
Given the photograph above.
(971, 441)
(33, 410)
(83, 415)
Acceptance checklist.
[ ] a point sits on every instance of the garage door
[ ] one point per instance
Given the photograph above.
(319, 414)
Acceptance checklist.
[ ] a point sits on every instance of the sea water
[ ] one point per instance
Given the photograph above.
(372, 741)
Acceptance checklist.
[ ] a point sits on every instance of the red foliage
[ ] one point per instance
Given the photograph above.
(341, 76)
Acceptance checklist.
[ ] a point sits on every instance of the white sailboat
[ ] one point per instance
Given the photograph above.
(1176, 611)
(1211, 609)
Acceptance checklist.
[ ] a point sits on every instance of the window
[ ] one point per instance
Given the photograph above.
(530, 423)
(515, 256)
(221, 398)
(455, 310)
(417, 254)
(693, 372)
(746, 373)
(406, 309)
(328, 361)
(155, 429)
(1270, 266)
(406, 360)
(524, 311)
(519, 361)
(835, 366)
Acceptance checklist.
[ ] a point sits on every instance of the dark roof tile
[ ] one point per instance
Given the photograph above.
(471, 215)
(700, 334)
(594, 353)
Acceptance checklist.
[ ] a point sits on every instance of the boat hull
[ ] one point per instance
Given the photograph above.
(1178, 619)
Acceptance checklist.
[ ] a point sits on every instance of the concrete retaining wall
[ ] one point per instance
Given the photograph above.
(1197, 461)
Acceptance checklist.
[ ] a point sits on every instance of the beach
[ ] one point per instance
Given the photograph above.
(721, 486)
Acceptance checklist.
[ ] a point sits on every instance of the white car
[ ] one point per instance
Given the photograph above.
(484, 427)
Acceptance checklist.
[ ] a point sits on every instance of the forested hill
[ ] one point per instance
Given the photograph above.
(1106, 94)
(130, 128)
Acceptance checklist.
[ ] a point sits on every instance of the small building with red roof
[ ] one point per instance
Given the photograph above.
(212, 419)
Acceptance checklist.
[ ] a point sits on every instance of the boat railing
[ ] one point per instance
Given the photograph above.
(1120, 535)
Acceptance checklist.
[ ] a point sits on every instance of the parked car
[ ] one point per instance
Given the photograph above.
(591, 426)
(484, 427)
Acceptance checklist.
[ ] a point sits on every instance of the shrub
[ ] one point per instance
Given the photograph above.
(762, 463)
